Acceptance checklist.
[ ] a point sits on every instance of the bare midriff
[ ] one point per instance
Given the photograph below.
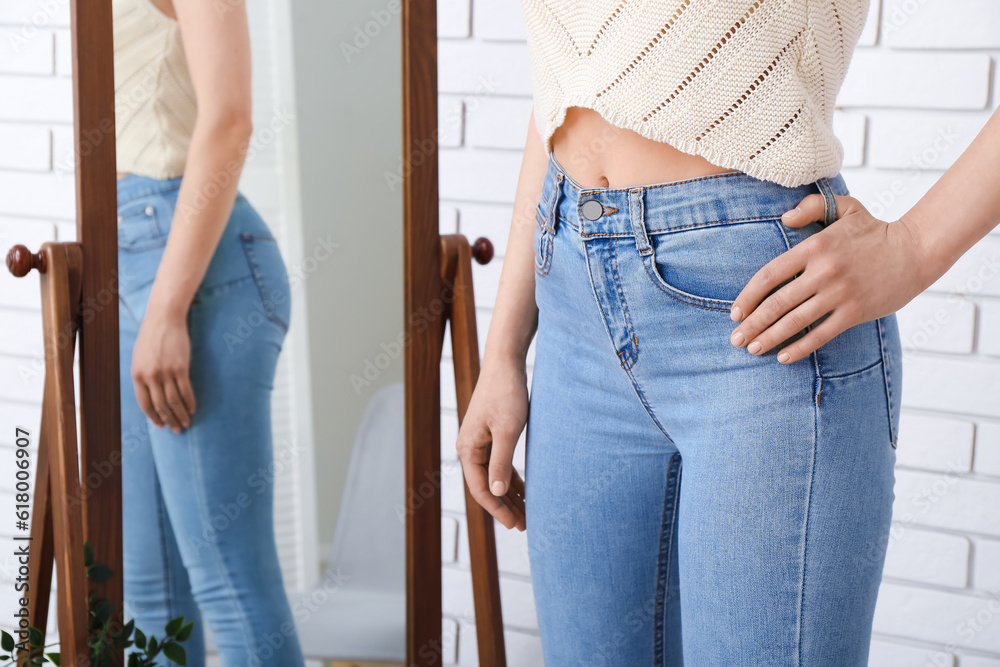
(597, 154)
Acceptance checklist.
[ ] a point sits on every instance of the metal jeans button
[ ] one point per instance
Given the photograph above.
(149, 210)
(592, 209)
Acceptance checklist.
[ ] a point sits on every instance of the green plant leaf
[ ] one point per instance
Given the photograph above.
(99, 572)
(88, 555)
(174, 626)
(185, 632)
(176, 653)
(140, 638)
(151, 646)
(6, 641)
(34, 636)
(37, 660)
(53, 658)
(6, 657)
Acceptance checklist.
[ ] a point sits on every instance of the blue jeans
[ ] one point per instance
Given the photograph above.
(198, 506)
(689, 502)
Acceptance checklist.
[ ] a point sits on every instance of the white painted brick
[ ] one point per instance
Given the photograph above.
(449, 540)
(449, 399)
(891, 654)
(978, 661)
(924, 80)
(63, 155)
(936, 383)
(456, 595)
(977, 272)
(986, 576)
(66, 231)
(483, 69)
(447, 218)
(449, 434)
(498, 20)
(480, 176)
(30, 16)
(25, 147)
(928, 557)
(451, 121)
(935, 443)
(850, 129)
(870, 33)
(491, 221)
(47, 99)
(921, 139)
(23, 378)
(452, 487)
(37, 194)
(523, 649)
(888, 194)
(453, 18)
(989, 328)
(21, 334)
(941, 24)
(449, 641)
(64, 53)
(486, 282)
(518, 604)
(935, 323)
(947, 500)
(941, 617)
(21, 292)
(988, 449)
(498, 122)
(19, 55)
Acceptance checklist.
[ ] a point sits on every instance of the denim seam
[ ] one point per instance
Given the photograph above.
(206, 521)
(805, 528)
(646, 406)
(671, 230)
(162, 186)
(841, 376)
(247, 240)
(168, 584)
(886, 380)
(663, 572)
(634, 355)
(659, 282)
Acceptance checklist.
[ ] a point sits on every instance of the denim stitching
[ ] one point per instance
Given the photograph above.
(887, 381)
(189, 437)
(805, 527)
(647, 407)
(634, 355)
(657, 280)
(158, 495)
(670, 230)
(663, 573)
(247, 241)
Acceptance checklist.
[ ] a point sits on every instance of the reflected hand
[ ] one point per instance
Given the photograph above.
(497, 413)
(160, 370)
(857, 269)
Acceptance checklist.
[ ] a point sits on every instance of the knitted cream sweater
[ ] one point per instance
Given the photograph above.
(748, 85)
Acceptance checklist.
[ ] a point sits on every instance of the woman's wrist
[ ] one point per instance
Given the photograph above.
(933, 253)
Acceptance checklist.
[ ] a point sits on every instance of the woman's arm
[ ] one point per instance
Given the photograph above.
(217, 49)
(860, 268)
(498, 410)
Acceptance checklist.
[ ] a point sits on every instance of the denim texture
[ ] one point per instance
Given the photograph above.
(689, 502)
(198, 506)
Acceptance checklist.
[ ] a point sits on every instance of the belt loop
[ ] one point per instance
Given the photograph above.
(829, 203)
(636, 214)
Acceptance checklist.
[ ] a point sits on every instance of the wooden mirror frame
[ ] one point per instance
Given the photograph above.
(100, 424)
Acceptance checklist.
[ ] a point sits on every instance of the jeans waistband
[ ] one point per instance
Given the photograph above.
(662, 207)
(135, 186)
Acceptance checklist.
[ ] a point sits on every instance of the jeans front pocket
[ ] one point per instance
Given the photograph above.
(144, 224)
(708, 265)
(270, 275)
(892, 368)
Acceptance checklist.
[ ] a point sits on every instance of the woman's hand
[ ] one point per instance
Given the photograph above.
(857, 269)
(161, 361)
(497, 413)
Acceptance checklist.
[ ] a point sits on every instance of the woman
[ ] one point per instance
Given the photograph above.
(700, 492)
(204, 308)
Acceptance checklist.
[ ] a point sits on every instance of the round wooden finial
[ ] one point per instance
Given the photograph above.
(20, 261)
(482, 250)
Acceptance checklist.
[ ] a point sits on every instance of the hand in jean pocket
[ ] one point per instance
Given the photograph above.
(855, 270)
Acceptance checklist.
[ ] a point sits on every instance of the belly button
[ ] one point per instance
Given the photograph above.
(605, 183)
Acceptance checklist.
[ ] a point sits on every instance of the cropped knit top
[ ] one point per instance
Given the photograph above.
(747, 84)
(155, 107)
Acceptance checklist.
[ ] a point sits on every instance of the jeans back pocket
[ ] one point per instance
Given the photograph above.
(270, 275)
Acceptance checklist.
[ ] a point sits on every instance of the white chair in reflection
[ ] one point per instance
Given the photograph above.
(357, 611)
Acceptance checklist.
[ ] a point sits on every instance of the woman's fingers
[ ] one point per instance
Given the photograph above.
(770, 311)
(812, 208)
(473, 451)
(824, 332)
(175, 402)
(790, 324)
(162, 406)
(142, 396)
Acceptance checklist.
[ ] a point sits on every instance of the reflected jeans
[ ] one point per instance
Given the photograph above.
(690, 503)
(198, 506)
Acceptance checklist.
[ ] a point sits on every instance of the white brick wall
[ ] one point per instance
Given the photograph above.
(923, 82)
